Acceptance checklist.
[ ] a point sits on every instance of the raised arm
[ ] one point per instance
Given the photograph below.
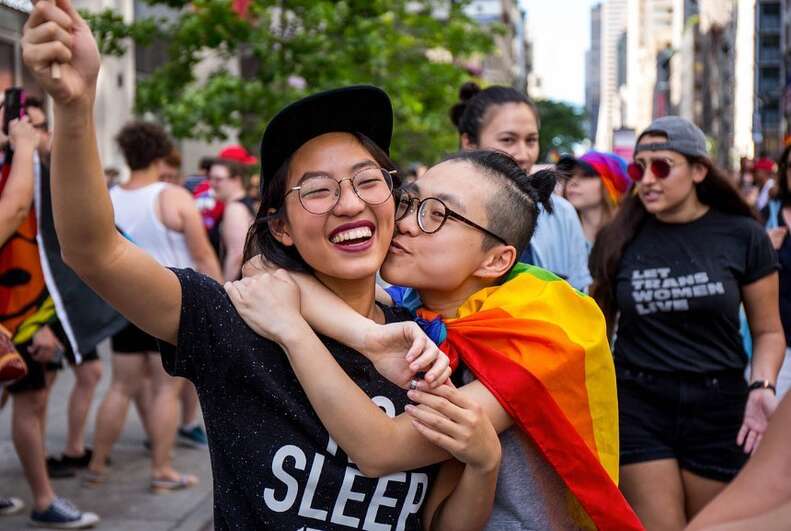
(378, 444)
(17, 196)
(142, 290)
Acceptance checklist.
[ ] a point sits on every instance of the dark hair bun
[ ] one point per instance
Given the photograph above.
(467, 91)
(540, 186)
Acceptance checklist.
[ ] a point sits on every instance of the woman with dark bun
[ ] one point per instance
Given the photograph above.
(506, 120)
(670, 273)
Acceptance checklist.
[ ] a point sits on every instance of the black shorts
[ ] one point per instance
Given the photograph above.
(693, 418)
(36, 378)
(132, 340)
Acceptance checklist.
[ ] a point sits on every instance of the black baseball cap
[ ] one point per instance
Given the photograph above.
(356, 109)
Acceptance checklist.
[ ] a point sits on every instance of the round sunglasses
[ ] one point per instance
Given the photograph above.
(660, 168)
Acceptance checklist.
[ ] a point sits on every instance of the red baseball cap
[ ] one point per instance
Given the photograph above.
(764, 164)
(238, 154)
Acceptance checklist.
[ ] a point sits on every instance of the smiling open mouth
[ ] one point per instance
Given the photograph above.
(352, 236)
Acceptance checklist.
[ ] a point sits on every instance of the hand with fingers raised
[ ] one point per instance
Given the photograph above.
(457, 424)
(55, 34)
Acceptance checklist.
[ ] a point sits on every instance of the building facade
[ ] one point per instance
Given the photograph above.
(509, 64)
(593, 71)
(613, 26)
(769, 77)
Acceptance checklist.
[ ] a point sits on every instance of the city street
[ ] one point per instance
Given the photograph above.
(124, 502)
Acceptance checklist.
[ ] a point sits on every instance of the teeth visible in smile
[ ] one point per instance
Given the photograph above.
(352, 234)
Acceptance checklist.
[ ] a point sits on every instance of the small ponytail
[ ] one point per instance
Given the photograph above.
(539, 186)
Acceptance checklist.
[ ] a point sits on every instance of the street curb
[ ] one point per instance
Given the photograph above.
(200, 517)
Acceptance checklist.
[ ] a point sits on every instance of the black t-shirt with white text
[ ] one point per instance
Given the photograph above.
(275, 467)
(678, 290)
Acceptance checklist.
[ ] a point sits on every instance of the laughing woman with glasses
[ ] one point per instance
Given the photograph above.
(670, 273)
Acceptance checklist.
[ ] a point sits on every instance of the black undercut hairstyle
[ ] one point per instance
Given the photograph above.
(514, 206)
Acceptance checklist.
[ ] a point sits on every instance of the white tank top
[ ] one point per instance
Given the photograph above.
(136, 215)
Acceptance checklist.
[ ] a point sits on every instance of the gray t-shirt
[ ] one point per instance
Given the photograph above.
(530, 495)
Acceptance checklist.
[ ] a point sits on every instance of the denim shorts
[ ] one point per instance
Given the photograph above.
(692, 418)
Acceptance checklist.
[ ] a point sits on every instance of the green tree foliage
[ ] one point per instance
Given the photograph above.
(290, 48)
(561, 127)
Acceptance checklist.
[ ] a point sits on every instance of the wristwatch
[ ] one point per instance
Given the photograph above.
(762, 384)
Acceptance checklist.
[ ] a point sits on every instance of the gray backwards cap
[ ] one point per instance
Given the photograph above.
(682, 136)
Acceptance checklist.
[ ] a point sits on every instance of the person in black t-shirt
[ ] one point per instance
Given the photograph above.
(670, 273)
(274, 464)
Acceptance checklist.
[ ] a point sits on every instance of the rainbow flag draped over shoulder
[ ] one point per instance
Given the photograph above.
(541, 348)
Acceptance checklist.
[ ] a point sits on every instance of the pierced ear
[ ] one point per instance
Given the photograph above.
(467, 143)
(278, 226)
(498, 261)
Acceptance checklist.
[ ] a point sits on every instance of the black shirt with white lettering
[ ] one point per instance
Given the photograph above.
(679, 290)
(275, 467)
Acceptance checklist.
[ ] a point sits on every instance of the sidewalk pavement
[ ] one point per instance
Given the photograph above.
(124, 503)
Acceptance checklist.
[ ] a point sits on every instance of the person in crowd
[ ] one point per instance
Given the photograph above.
(201, 178)
(171, 168)
(760, 495)
(670, 274)
(16, 198)
(595, 185)
(505, 119)
(257, 417)
(455, 264)
(777, 219)
(162, 220)
(28, 312)
(112, 176)
(764, 180)
(227, 177)
(83, 319)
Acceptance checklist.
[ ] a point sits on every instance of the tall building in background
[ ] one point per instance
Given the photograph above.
(593, 72)
(744, 85)
(785, 44)
(692, 58)
(613, 27)
(769, 77)
(508, 64)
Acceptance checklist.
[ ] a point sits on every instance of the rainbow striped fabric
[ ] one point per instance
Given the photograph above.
(541, 348)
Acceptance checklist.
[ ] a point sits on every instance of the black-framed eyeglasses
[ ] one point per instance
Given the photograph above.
(319, 194)
(432, 213)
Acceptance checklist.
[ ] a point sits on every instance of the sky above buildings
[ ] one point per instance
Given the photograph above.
(561, 35)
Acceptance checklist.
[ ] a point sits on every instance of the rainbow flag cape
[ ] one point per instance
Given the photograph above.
(541, 348)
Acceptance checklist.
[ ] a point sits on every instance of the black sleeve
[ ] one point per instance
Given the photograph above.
(761, 257)
(204, 304)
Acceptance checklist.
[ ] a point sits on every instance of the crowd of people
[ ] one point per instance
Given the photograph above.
(471, 345)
